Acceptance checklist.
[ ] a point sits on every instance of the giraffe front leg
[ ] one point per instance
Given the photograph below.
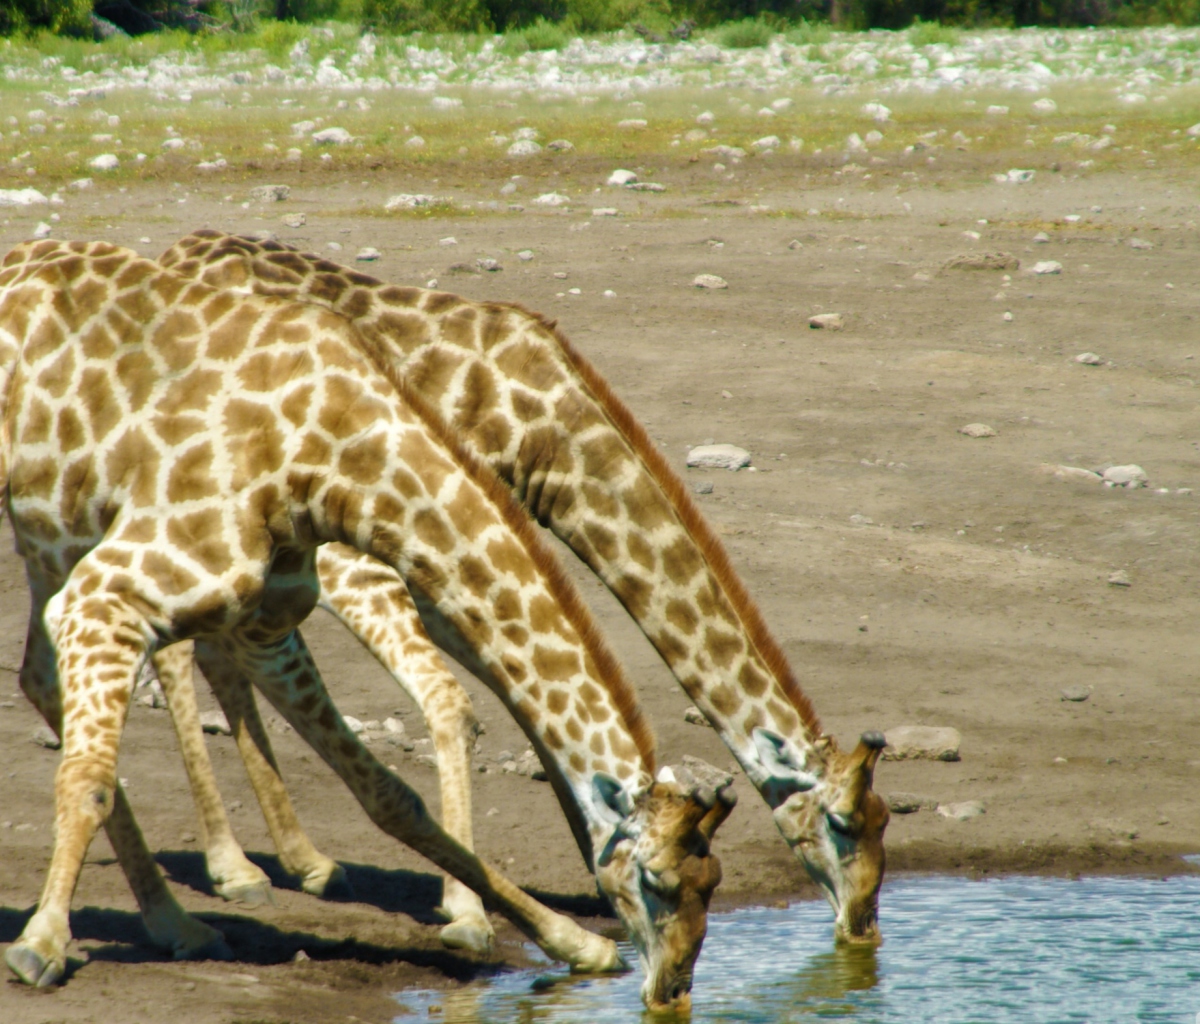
(373, 602)
(169, 926)
(101, 642)
(233, 876)
(284, 671)
(319, 875)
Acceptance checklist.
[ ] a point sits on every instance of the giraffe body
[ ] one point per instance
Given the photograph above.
(176, 454)
(521, 398)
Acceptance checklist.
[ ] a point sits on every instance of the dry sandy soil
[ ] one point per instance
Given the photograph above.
(969, 592)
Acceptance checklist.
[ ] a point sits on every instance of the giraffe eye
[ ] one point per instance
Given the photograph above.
(840, 823)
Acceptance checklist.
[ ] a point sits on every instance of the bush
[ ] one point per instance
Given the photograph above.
(927, 33)
(610, 15)
(69, 17)
(426, 15)
(541, 35)
(747, 33)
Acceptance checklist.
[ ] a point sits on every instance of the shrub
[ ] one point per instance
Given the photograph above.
(928, 33)
(426, 15)
(71, 17)
(744, 34)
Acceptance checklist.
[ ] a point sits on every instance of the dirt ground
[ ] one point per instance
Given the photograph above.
(968, 589)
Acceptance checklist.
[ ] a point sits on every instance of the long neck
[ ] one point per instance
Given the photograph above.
(491, 593)
(521, 399)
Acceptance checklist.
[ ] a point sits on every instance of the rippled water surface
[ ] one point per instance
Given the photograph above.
(1012, 949)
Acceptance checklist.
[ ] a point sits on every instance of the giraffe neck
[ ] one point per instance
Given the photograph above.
(524, 401)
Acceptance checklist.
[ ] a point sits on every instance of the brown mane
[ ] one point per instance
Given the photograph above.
(560, 586)
(697, 527)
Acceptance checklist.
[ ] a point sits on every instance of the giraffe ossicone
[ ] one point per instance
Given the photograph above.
(220, 440)
(519, 396)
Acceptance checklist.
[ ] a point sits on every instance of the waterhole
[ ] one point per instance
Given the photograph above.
(1004, 950)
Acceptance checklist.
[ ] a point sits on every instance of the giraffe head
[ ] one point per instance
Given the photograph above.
(833, 820)
(659, 874)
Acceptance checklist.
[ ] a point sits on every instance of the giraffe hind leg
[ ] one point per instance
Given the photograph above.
(233, 876)
(319, 875)
(285, 673)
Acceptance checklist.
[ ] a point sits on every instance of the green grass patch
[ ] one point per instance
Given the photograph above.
(745, 34)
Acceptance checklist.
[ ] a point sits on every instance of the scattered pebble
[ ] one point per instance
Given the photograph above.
(215, 723)
(368, 253)
(332, 137)
(703, 487)
(963, 811)
(621, 177)
(1047, 267)
(1120, 578)
(560, 146)
(525, 255)
(908, 803)
(1008, 317)
(606, 211)
(294, 220)
(411, 201)
(632, 123)
(922, 742)
(488, 264)
(718, 456)
(104, 162)
(42, 230)
(270, 193)
(1140, 243)
(709, 281)
(1016, 176)
(765, 143)
(646, 186)
(22, 197)
(693, 715)
(551, 199)
(448, 240)
(977, 430)
(1076, 694)
(1089, 359)
(1041, 238)
(1045, 105)
(1131, 476)
(983, 261)
(795, 244)
(524, 147)
(826, 322)
(1070, 473)
(608, 293)
(44, 736)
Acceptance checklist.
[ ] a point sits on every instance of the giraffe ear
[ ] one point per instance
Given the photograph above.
(610, 798)
(782, 765)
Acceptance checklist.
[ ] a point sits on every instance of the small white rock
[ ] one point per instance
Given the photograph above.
(21, 197)
(414, 142)
(1120, 578)
(922, 742)
(707, 117)
(977, 430)
(963, 811)
(709, 281)
(524, 147)
(104, 162)
(355, 725)
(332, 137)
(632, 123)
(448, 240)
(1041, 238)
(1089, 359)
(551, 199)
(1131, 476)
(765, 143)
(525, 255)
(621, 177)
(718, 456)
(605, 211)
(1046, 267)
(827, 322)
(368, 253)
(270, 193)
(215, 722)
(560, 146)
(1045, 106)
(411, 201)
(1140, 243)
(42, 230)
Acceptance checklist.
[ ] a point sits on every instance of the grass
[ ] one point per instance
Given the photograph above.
(931, 33)
(541, 35)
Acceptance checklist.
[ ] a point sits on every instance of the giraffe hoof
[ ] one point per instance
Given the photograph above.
(217, 949)
(32, 967)
(473, 936)
(256, 894)
(334, 886)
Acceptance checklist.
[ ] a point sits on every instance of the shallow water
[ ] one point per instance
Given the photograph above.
(1004, 950)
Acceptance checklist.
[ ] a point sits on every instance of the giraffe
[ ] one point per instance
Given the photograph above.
(520, 397)
(174, 455)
